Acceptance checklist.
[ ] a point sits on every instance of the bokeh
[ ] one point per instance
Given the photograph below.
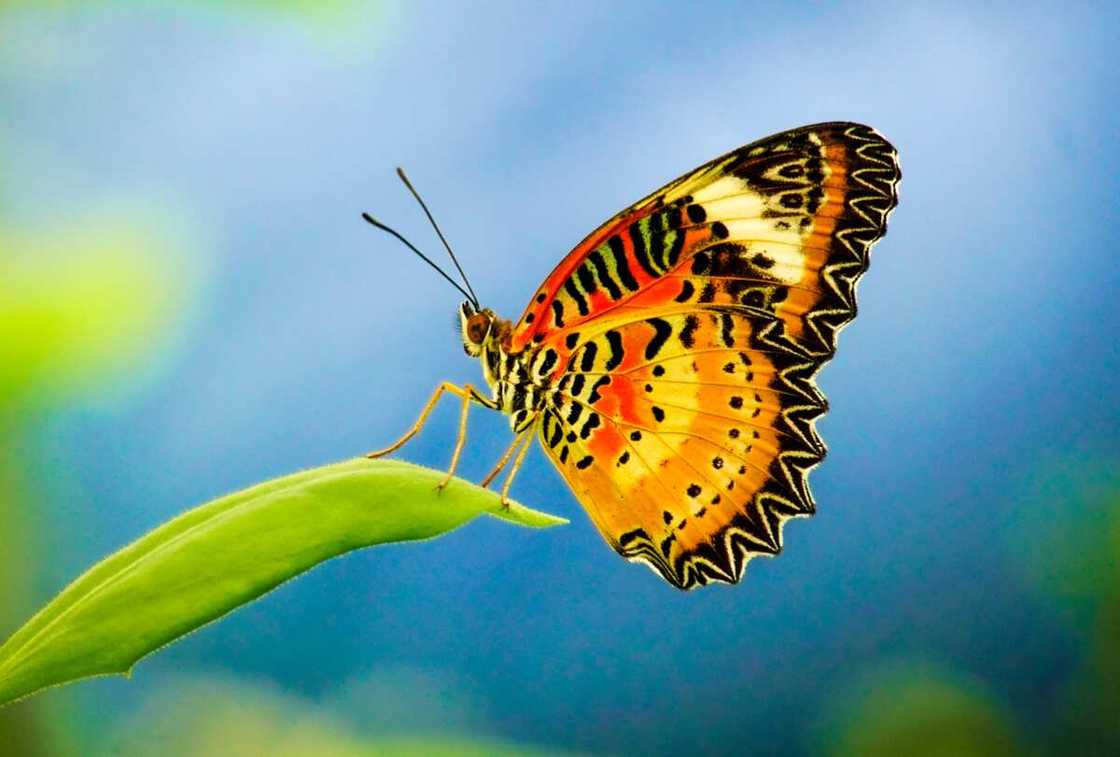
(190, 303)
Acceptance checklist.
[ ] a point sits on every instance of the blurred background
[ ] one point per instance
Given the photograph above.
(189, 304)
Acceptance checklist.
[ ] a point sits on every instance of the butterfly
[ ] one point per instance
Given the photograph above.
(668, 363)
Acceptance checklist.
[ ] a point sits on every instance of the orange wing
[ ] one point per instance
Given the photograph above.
(688, 331)
(787, 223)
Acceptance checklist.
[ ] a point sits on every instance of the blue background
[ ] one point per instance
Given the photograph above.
(974, 401)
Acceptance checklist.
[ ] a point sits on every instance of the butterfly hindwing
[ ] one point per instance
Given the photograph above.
(678, 426)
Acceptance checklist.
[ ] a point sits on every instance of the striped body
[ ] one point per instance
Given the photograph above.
(518, 383)
(534, 382)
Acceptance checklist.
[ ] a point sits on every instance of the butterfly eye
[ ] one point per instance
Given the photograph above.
(476, 329)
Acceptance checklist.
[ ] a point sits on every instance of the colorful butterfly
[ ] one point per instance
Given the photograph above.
(668, 363)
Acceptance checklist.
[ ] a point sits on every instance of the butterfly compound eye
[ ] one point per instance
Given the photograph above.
(476, 328)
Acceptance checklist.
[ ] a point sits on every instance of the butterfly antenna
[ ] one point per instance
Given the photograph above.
(374, 222)
(455, 260)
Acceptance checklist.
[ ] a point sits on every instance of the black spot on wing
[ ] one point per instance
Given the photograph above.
(587, 357)
(622, 267)
(595, 396)
(586, 281)
(688, 333)
(576, 295)
(604, 274)
(614, 340)
(727, 324)
(667, 544)
(816, 194)
(662, 331)
(548, 362)
(637, 534)
(589, 425)
(701, 261)
(556, 435)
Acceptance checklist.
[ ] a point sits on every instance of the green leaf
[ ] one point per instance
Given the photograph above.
(230, 551)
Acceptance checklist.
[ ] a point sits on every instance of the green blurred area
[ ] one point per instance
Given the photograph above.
(919, 710)
(1075, 502)
(1080, 574)
(81, 308)
(193, 717)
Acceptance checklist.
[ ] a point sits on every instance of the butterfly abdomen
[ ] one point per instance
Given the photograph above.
(520, 382)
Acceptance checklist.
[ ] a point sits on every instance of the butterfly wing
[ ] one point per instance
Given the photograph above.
(686, 334)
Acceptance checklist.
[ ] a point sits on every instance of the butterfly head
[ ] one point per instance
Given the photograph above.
(477, 327)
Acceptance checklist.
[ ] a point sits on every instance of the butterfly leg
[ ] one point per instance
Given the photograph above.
(469, 394)
(516, 467)
(501, 463)
(460, 438)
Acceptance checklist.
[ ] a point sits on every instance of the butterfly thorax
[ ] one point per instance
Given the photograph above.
(517, 384)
